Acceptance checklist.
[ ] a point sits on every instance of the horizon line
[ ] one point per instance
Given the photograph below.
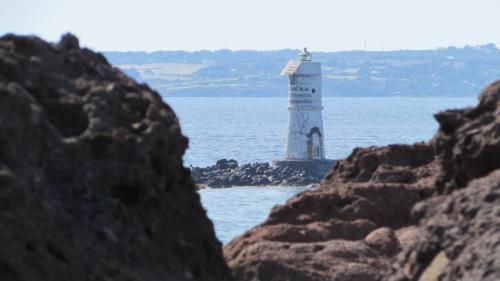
(478, 46)
(490, 45)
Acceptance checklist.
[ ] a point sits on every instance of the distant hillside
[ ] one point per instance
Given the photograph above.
(442, 72)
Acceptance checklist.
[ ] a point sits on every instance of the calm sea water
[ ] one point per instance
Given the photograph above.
(253, 130)
(235, 210)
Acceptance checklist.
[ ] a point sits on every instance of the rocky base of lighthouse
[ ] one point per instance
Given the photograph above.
(227, 173)
(317, 168)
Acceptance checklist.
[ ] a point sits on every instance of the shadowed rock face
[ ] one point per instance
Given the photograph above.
(468, 141)
(461, 229)
(354, 225)
(461, 236)
(92, 185)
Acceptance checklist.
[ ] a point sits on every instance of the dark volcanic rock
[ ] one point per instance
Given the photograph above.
(461, 239)
(460, 230)
(92, 185)
(468, 141)
(436, 203)
(227, 173)
(392, 164)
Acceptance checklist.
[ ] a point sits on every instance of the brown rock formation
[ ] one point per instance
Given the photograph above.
(92, 185)
(468, 141)
(461, 236)
(460, 230)
(353, 226)
(342, 231)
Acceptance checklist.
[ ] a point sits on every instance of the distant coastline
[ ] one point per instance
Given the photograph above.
(238, 95)
(445, 72)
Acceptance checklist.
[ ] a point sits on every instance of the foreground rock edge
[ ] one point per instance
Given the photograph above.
(92, 185)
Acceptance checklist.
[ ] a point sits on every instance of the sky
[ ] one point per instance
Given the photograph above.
(321, 25)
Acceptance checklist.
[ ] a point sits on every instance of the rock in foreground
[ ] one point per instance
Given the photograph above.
(92, 185)
(460, 226)
(460, 236)
(345, 230)
(361, 217)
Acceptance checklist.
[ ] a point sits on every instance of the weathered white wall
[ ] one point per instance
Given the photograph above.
(304, 106)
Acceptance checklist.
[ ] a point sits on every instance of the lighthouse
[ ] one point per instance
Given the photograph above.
(305, 137)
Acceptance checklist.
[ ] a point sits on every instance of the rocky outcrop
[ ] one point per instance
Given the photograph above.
(345, 229)
(460, 229)
(460, 237)
(436, 204)
(468, 141)
(92, 185)
(227, 173)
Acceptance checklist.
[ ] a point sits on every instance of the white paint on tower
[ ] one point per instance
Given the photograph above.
(305, 122)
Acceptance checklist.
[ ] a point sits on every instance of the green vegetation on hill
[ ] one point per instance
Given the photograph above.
(442, 72)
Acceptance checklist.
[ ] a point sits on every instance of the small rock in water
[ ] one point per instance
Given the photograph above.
(226, 173)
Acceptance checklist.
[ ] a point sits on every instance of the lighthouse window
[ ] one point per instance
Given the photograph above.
(313, 91)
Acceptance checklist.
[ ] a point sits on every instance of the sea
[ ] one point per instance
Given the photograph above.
(253, 129)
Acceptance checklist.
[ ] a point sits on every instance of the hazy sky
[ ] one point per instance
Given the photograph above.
(326, 25)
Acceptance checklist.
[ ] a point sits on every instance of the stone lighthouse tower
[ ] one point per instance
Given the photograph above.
(305, 138)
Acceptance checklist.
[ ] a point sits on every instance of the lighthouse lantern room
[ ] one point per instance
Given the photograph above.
(305, 122)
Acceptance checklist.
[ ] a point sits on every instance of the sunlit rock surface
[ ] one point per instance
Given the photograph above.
(343, 230)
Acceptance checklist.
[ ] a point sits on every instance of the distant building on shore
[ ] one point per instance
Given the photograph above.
(305, 121)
